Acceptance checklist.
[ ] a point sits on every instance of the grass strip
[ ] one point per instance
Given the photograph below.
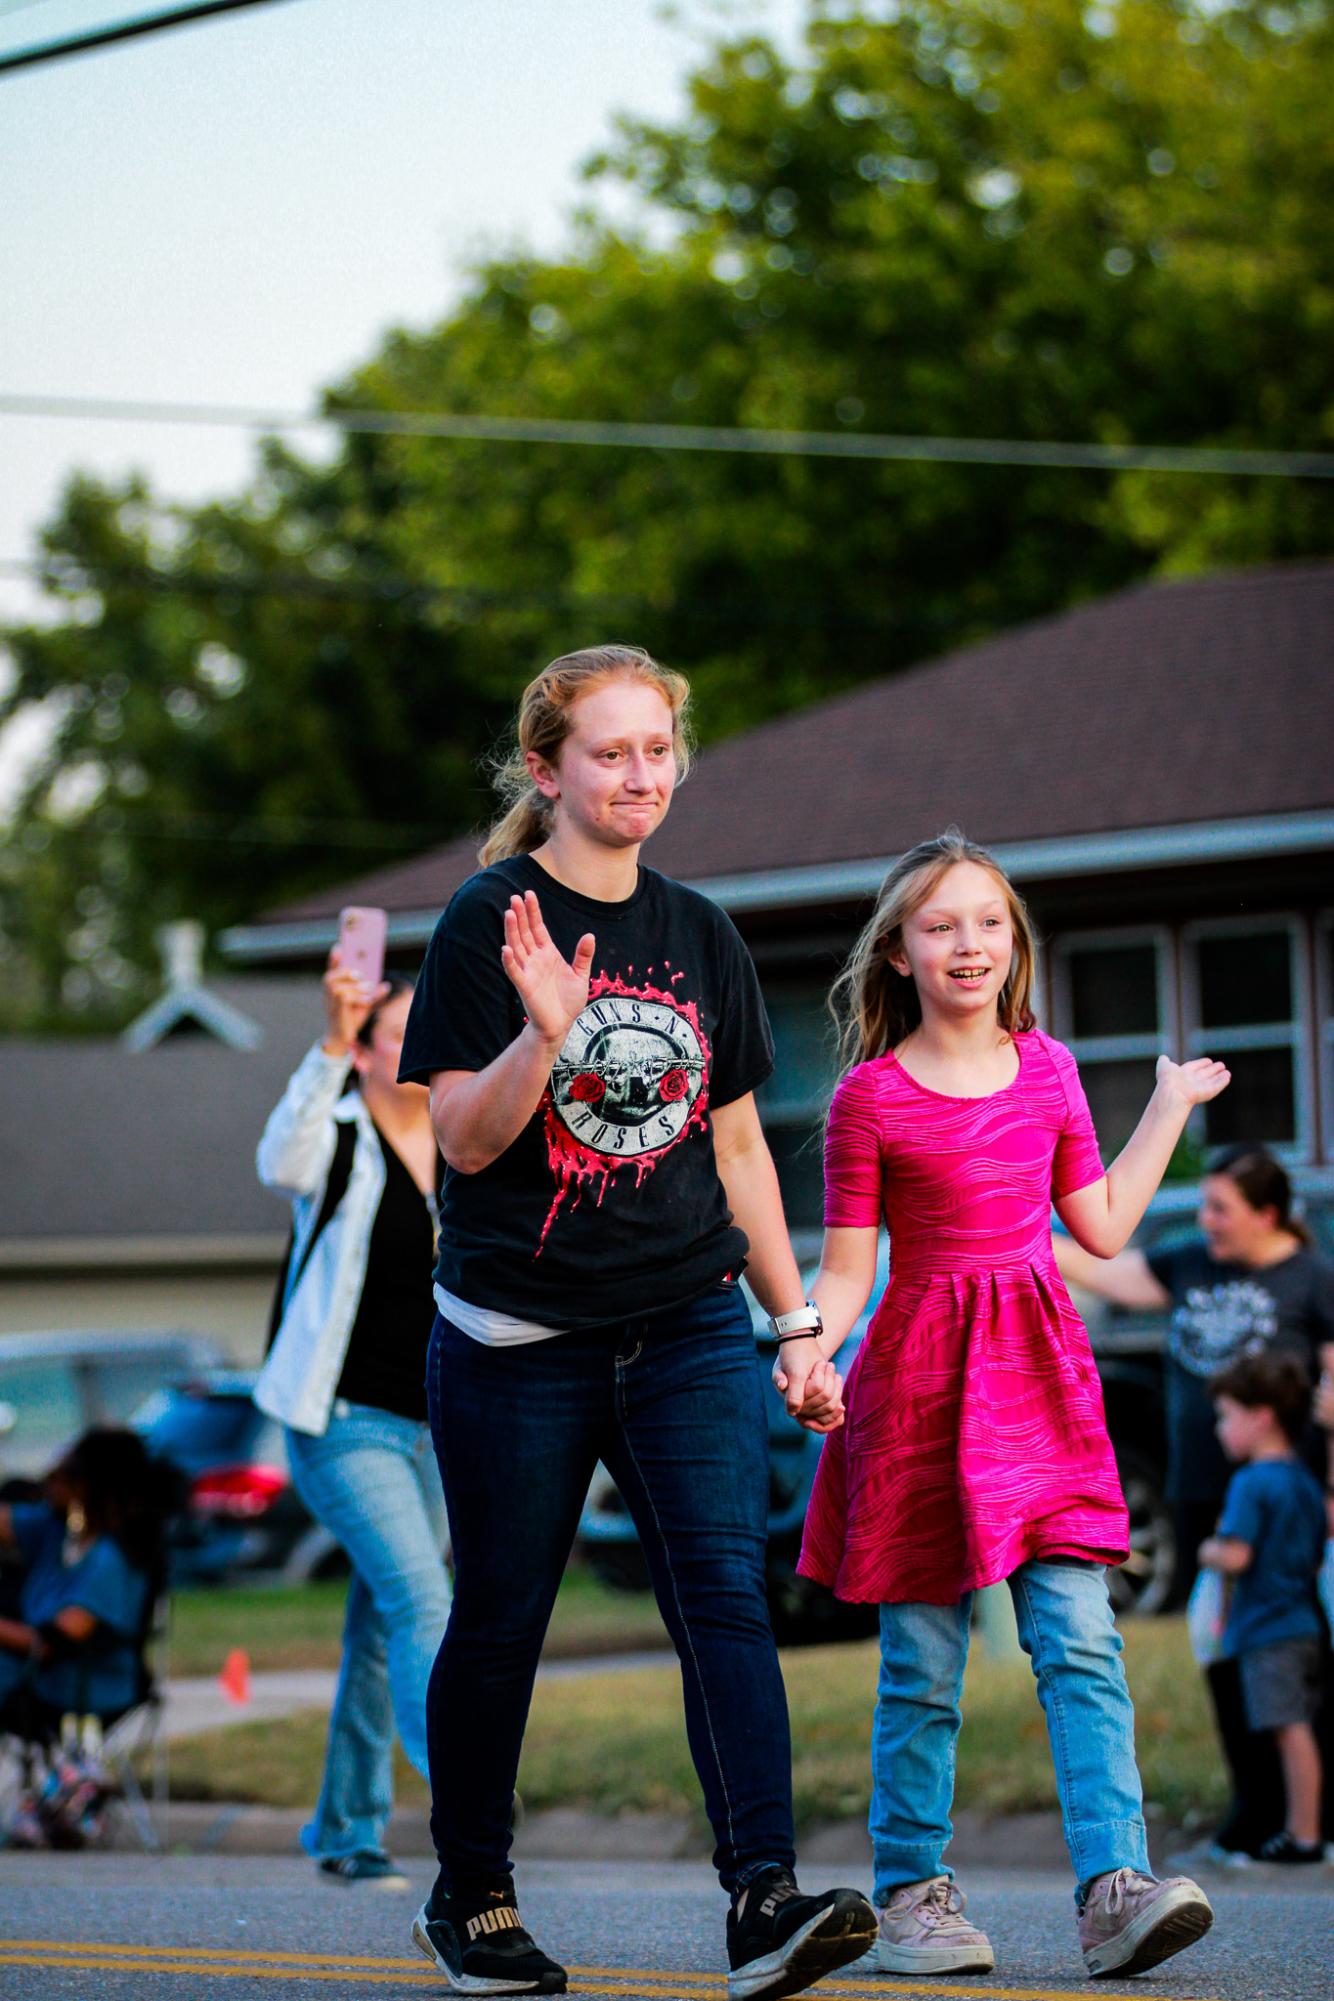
(302, 1626)
(615, 1743)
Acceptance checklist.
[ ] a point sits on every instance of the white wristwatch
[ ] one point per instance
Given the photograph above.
(801, 1321)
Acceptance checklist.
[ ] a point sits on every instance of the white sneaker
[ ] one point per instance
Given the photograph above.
(1131, 1921)
(923, 1930)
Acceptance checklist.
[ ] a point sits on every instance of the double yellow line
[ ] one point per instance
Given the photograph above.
(656, 1983)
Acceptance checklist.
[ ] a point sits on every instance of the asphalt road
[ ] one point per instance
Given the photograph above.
(109, 1927)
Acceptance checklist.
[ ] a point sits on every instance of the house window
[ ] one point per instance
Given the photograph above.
(1325, 1003)
(794, 1100)
(1245, 986)
(1112, 1004)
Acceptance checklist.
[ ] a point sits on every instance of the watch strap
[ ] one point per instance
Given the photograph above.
(802, 1320)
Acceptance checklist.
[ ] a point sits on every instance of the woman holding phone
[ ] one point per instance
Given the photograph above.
(346, 1374)
(593, 1035)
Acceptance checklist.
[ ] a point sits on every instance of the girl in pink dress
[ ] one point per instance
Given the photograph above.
(975, 1447)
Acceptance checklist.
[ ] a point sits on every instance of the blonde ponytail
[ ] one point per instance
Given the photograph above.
(544, 724)
(524, 827)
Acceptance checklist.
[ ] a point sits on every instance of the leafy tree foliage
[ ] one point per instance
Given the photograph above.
(978, 219)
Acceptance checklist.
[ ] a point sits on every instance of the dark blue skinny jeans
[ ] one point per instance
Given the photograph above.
(672, 1404)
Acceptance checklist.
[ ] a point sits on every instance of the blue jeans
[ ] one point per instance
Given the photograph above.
(373, 1482)
(1066, 1628)
(673, 1406)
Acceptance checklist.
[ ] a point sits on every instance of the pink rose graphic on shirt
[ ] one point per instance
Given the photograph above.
(630, 1083)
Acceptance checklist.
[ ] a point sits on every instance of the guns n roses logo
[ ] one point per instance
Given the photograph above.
(630, 1081)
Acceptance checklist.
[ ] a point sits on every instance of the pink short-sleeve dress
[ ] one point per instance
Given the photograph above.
(975, 1438)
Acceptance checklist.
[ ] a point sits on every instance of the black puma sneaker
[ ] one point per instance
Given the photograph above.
(476, 1939)
(783, 1941)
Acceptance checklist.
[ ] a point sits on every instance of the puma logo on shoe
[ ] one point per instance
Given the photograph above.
(503, 1920)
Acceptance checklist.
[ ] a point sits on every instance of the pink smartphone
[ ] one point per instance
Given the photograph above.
(361, 938)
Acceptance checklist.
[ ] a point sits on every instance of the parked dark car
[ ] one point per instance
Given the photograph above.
(799, 1609)
(54, 1386)
(242, 1517)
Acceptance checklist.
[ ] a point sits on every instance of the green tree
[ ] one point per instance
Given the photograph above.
(977, 219)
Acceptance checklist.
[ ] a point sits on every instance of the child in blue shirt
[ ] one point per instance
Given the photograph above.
(88, 1554)
(1270, 1540)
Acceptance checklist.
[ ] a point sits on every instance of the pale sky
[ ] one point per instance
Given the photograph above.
(233, 212)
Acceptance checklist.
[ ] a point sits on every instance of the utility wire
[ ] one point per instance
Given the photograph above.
(267, 830)
(693, 437)
(122, 31)
(69, 575)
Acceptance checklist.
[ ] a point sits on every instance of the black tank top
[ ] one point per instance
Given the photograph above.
(385, 1364)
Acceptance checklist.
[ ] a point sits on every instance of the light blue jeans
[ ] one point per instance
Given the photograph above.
(373, 1482)
(1066, 1628)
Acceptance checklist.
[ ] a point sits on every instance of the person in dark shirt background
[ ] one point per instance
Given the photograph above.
(346, 1374)
(1270, 1541)
(1250, 1283)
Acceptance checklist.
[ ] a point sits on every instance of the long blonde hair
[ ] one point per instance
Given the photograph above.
(874, 1006)
(544, 724)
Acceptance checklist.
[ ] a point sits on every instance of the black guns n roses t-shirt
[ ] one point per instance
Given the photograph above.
(608, 1203)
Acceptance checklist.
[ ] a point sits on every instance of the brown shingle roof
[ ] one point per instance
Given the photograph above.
(1166, 704)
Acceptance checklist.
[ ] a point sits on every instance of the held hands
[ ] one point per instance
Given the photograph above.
(552, 989)
(347, 1002)
(1193, 1083)
(809, 1384)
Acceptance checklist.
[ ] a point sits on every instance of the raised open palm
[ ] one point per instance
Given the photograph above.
(552, 989)
(1196, 1082)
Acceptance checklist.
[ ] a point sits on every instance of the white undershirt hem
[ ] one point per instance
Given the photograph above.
(492, 1329)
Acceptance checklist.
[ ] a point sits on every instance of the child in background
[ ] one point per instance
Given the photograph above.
(975, 1446)
(1271, 1540)
(89, 1555)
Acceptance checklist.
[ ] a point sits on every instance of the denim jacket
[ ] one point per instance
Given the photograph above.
(297, 1382)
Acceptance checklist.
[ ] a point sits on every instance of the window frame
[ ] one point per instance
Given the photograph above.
(1322, 941)
(1115, 1048)
(1294, 1034)
(796, 1110)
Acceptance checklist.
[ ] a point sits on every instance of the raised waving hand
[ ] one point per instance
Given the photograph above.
(553, 989)
(1193, 1083)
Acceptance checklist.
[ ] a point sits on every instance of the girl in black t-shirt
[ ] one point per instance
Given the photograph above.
(592, 1035)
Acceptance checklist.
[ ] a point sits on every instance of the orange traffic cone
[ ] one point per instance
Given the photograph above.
(234, 1681)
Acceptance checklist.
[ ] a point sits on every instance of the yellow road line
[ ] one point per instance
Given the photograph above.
(234, 1963)
(246, 1953)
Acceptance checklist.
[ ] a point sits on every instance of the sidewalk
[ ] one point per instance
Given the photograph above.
(1029, 1841)
(195, 1703)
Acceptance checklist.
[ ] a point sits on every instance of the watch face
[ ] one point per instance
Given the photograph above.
(628, 1076)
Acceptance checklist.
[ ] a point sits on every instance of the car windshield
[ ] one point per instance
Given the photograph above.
(210, 1427)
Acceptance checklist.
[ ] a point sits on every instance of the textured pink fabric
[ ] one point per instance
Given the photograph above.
(975, 1437)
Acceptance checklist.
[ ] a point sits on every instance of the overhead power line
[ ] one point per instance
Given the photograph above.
(1006, 452)
(122, 31)
(468, 601)
(264, 830)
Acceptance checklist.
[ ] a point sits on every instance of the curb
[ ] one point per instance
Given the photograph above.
(559, 1834)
